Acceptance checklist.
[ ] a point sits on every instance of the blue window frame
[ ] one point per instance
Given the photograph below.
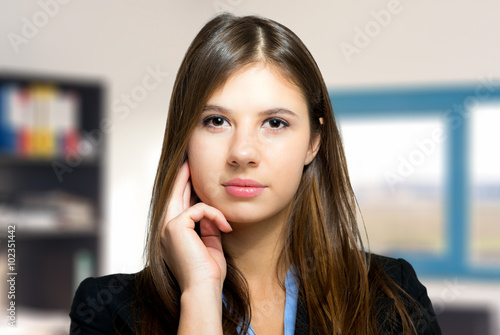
(453, 105)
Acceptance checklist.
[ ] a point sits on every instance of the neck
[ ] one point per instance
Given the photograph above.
(255, 247)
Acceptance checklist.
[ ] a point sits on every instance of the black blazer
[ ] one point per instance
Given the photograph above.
(102, 305)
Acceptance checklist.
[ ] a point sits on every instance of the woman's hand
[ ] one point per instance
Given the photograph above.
(195, 262)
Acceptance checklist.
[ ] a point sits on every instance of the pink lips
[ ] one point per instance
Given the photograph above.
(244, 188)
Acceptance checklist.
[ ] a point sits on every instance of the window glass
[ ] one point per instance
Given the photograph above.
(485, 186)
(397, 172)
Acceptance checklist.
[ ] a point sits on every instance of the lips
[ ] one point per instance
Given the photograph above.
(244, 188)
(243, 183)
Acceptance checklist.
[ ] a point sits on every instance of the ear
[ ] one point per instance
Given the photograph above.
(313, 149)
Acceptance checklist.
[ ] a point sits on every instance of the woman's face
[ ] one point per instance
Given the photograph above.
(250, 145)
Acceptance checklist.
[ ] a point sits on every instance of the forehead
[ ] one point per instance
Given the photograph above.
(259, 82)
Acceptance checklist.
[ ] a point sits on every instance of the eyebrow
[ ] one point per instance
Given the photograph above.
(267, 112)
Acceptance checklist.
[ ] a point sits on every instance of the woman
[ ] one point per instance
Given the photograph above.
(253, 219)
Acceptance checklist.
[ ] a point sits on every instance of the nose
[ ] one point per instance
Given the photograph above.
(244, 149)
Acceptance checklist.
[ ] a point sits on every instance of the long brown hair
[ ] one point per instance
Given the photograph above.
(321, 237)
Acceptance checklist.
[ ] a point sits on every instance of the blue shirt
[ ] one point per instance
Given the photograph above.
(292, 292)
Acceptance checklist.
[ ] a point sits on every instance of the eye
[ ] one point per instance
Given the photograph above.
(214, 121)
(276, 124)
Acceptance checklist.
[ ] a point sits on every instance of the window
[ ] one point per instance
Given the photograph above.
(425, 171)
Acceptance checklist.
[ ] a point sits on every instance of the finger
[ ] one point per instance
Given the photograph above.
(202, 211)
(187, 189)
(210, 234)
(186, 196)
(213, 222)
(175, 206)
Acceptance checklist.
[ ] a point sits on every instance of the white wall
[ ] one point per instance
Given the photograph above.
(117, 41)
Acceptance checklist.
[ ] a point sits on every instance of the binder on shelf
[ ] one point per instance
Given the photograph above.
(7, 131)
(38, 121)
(69, 137)
(43, 132)
(25, 131)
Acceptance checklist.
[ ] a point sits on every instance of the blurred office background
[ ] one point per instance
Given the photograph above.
(84, 92)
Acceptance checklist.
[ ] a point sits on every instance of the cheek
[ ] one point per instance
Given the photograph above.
(290, 155)
(203, 168)
(287, 164)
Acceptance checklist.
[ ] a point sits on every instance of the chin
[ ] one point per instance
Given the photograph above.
(241, 216)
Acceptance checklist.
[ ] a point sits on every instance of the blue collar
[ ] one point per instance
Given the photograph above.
(292, 293)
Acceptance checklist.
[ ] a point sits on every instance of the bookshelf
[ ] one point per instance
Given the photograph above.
(51, 170)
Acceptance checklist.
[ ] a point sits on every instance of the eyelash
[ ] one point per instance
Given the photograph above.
(210, 118)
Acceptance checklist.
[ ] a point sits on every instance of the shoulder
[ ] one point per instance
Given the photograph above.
(403, 274)
(101, 305)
